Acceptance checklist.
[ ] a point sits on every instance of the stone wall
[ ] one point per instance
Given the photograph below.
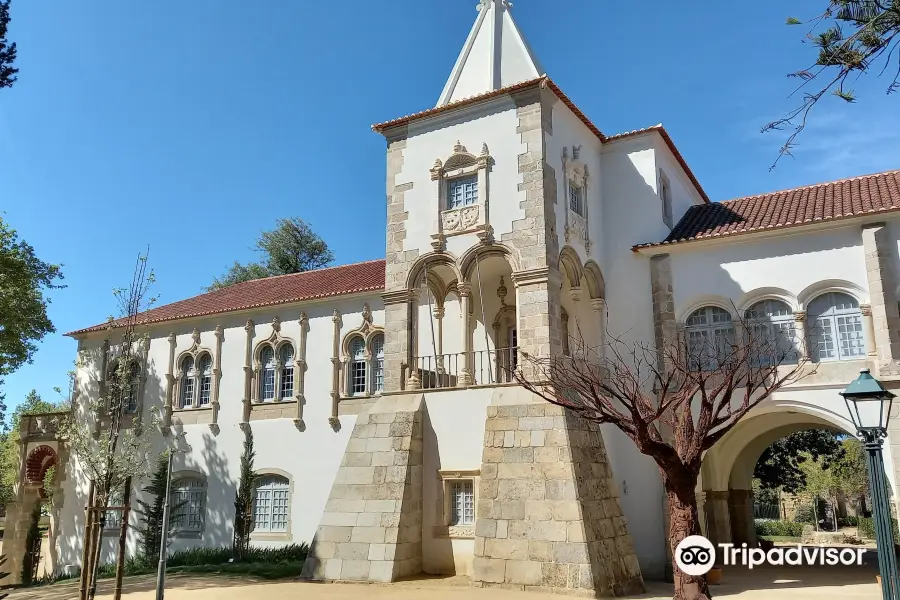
(548, 514)
(371, 529)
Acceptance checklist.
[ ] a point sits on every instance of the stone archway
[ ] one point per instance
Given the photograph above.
(725, 489)
(39, 460)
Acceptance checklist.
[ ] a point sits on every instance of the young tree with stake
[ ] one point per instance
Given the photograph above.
(674, 403)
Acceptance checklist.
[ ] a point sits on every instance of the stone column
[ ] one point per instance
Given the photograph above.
(578, 335)
(396, 338)
(439, 335)
(800, 334)
(718, 519)
(665, 331)
(599, 307)
(371, 529)
(465, 372)
(740, 508)
(877, 244)
(868, 329)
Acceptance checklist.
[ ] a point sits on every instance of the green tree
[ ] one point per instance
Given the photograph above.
(32, 546)
(151, 512)
(820, 483)
(851, 37)
(779, 464)
(243, 500)
(7, 50)
(10, 437)
(292, 247)
(23, 307)
(852, 473)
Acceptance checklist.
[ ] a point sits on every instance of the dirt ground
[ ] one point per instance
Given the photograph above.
(786, 583)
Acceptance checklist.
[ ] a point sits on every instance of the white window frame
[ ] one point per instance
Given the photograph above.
(271, 487)
(450, 525)
(576, 198)
(204, 378)
(286, 372)
(826, 325)
(377, 363)
(706, 327)
(188, 392)
(358, 361)
(191, 489)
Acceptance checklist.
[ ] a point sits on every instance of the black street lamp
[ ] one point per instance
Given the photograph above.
(869, 405)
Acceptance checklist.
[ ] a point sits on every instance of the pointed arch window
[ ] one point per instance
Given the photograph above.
(287, 371)
(770, 325)
(835, 328)
(187, 382)
(709, 334)
(358, 361)
(267, 375)
(130, 387)
(205, 375)
(378, 362)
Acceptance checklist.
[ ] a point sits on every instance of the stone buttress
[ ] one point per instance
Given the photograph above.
(548, 513)
(371, 529)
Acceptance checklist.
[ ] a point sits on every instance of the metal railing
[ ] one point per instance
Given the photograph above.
(481, 367)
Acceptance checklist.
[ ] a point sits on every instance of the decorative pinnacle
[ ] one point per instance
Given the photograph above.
(501, 292)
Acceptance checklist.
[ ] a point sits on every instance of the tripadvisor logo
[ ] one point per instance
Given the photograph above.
(695, 555)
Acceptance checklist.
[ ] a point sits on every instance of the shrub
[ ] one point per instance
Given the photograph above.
(766, 527)
(867, 528)
(849, 521)
(805, 514)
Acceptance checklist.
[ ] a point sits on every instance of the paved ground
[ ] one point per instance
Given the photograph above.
(787, 583)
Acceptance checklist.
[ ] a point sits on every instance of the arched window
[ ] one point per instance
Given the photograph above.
(188, 501)
(187, 382)
(271, 504)
(205, 373)
(771, 332)
(134, 386)
(357, 366)
(267, 376)
(378, 362)
(835, 328)
(287, 371)
(130, 388)
(710, 334)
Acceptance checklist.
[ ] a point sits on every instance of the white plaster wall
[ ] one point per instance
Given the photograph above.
(569, 131)
(795, 264)
(454, 440)
(493, 124)
(311, 456)
(684, 194)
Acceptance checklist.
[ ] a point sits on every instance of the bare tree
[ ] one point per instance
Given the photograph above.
(105, 434)
(674, 403)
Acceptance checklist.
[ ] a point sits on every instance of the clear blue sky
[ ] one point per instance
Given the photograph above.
(191, 126)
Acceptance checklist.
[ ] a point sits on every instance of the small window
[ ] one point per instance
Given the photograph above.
(462, 502)
(665, 195)
(771, 332)
(134, 386)
(271, 504)
(462, 191)
(188, 503)
(357, 366)
(378, 353)
(287, 371)
(576, 199)
(187, 382)
(267, 376)
(205, 379)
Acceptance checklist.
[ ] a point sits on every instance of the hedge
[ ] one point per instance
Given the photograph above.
(766, 527)
(867, 528)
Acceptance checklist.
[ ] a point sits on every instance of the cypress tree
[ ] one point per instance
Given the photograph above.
(243, 500)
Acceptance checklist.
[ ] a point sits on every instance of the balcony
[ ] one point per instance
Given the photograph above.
(481, 367)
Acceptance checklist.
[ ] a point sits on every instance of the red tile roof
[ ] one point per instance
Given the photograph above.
(544, 80)
(283, 289)
(831, 201)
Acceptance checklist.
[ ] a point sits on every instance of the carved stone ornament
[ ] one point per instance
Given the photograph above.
(461, 219)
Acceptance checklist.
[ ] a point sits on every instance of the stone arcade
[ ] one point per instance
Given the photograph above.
(388, 433)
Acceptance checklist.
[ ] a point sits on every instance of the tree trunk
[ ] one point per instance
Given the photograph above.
(684, 521)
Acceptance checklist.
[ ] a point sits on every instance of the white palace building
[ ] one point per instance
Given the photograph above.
(387, 432)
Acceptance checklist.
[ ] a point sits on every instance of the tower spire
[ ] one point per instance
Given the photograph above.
(495, 55)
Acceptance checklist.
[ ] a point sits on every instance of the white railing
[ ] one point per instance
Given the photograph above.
(482, 367)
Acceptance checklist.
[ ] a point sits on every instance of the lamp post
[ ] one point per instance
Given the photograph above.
(869, 405)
